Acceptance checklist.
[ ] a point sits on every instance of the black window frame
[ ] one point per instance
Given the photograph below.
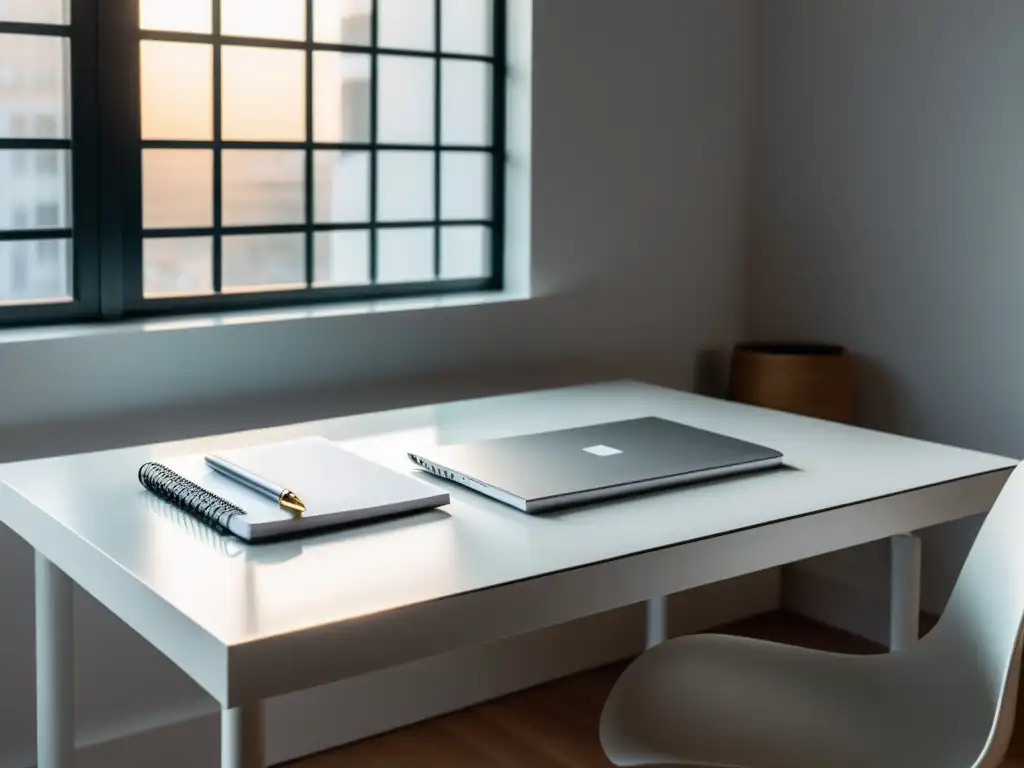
(106, 147)
(83, 145)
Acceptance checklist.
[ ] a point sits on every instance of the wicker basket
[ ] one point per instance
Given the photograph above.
(810, 379)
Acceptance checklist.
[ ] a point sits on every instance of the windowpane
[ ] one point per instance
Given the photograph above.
(48, 215)
(263, 263)
(264, 94)
(405, 110)
(466, 103)
(466, 26)
(264, 187)
(34, 89)
(405, 186)
(407, 24)
(347, 22)
(465, 252)
(35, 271)
(47, 163)
(39, 199)
(342, 187)
(178, 266)
(40, 166)
(278, 19)
(176, 15)
(177, 90)
(342, 84)
(45, 127)
(177, 188)
(405, 255)
(342, 258)
(465, 186)
(35, 11)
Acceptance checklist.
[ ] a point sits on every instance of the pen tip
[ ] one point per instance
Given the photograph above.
(292, 503)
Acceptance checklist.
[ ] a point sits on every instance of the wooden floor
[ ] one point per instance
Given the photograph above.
(555, 725)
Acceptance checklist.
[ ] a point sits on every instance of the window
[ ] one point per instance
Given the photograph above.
(47, 215)
(47, 163)
(36, 275)
(46, 125)
(270, 152)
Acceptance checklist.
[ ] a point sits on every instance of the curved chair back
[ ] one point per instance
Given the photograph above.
(979, 635)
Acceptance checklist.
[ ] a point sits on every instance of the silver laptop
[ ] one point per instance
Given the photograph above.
(540, 472)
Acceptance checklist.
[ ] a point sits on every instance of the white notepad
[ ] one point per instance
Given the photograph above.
(337, 487)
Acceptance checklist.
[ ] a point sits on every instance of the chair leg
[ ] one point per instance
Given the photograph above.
(905, 603)
(657, 621)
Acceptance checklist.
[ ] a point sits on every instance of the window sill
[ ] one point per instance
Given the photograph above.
(252, 317)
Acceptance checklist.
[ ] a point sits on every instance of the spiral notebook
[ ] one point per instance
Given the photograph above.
(337, 486)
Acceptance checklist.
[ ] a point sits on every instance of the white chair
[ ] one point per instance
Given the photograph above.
(947, 702)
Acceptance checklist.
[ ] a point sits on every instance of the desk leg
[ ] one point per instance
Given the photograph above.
(55, 726)
(657, 621)
(241, 737)
(905, 601)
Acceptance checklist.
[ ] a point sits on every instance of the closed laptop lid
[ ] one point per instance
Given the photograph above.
(574, 461)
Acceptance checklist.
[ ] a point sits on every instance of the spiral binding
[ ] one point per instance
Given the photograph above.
(190, 498)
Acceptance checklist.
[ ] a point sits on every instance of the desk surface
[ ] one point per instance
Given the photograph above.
(88, 514)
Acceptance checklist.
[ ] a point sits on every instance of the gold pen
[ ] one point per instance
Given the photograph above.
(286, 499)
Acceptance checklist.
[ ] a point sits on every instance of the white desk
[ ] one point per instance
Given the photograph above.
(250, 623)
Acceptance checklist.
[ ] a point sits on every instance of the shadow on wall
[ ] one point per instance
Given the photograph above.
(711, 372)
(882, 402)
(239, 413)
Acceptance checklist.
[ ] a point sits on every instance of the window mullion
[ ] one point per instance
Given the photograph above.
(120, 157)
(308, 188)
(437, 139)
(218, 155)
(500, 139)
(374, 136)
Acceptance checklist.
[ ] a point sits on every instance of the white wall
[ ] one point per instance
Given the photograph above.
(888, 217)
(641, 138)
